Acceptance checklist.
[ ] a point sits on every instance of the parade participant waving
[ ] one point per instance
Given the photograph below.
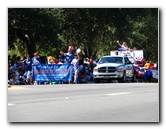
(69, 55)
(123, 45)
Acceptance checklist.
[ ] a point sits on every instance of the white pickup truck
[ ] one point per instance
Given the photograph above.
(113, 68)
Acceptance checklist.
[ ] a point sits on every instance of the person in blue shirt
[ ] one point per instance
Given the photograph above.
(28, 65)
(61, 57)
(36, 59)
(69, 55)
(148, 75)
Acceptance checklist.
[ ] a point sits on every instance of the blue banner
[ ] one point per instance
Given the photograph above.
(53, 72)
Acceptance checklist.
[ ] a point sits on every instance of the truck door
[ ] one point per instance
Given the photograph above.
(128, 67)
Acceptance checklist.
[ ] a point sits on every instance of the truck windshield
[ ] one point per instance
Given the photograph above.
(111, 60)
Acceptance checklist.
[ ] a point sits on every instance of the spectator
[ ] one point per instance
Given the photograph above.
(75, 62)
(151, 65)
(91, 60)
(148, 75)
(12, 68)
(17, 77)
(86, 61)
(61, 57)
(83, 78)
(147, 65)
(52, 60)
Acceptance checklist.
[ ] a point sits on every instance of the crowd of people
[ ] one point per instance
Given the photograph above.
(20, 69)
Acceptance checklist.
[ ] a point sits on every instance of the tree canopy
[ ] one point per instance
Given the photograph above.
(94, 30)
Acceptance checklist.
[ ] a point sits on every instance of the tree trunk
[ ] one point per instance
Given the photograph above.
(31, 48)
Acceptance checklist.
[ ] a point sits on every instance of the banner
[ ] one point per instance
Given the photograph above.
(52, 72)
(132, 53)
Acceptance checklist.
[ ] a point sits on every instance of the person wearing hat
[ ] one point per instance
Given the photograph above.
(36, 59)
(75, 63)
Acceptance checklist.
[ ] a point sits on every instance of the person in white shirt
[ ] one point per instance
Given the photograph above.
(75, 63)
(123, 45)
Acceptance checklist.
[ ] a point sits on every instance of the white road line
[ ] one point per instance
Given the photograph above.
(11, 104)
(123, 93)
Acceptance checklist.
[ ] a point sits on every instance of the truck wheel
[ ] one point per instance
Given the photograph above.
(96, 80)
(123, 79)
(134, 78)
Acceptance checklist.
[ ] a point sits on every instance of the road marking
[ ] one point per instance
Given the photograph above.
(17, 88)
(67, 97)
(123, 93)
(11, 104)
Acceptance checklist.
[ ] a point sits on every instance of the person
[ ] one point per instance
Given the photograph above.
(116, 53)
(151, 65)
(98, 58)
(147, 65)
(17, 76)
(83, 78)
(28, 64)
(36, 59)
(52, 60)
(134, 48)
(86, 61)
(91, 60)
(75, 63)
(119, 60)
(123, 45)
(61, 57)
(69, 55)
(148, 75)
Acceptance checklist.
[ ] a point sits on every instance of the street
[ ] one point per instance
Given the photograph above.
(107, 102)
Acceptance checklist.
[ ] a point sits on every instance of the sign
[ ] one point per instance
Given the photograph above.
(132, 53)
(53, 72)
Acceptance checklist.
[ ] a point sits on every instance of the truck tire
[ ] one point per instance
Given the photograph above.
(96, 80)
(134, 78)
(123, 79)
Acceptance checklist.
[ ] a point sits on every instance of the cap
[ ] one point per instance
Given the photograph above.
(35, 54)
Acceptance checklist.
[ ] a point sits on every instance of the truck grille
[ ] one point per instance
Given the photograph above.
(106, 69)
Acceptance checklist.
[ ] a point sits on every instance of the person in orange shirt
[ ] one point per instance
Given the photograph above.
(91, 60)
(147, 65)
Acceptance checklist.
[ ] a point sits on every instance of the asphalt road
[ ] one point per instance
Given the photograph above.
(113, 102)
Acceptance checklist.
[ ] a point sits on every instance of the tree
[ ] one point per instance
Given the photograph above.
(95, 30)
(35, 28)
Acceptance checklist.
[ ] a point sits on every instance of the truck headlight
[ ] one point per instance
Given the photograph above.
(120, 69)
